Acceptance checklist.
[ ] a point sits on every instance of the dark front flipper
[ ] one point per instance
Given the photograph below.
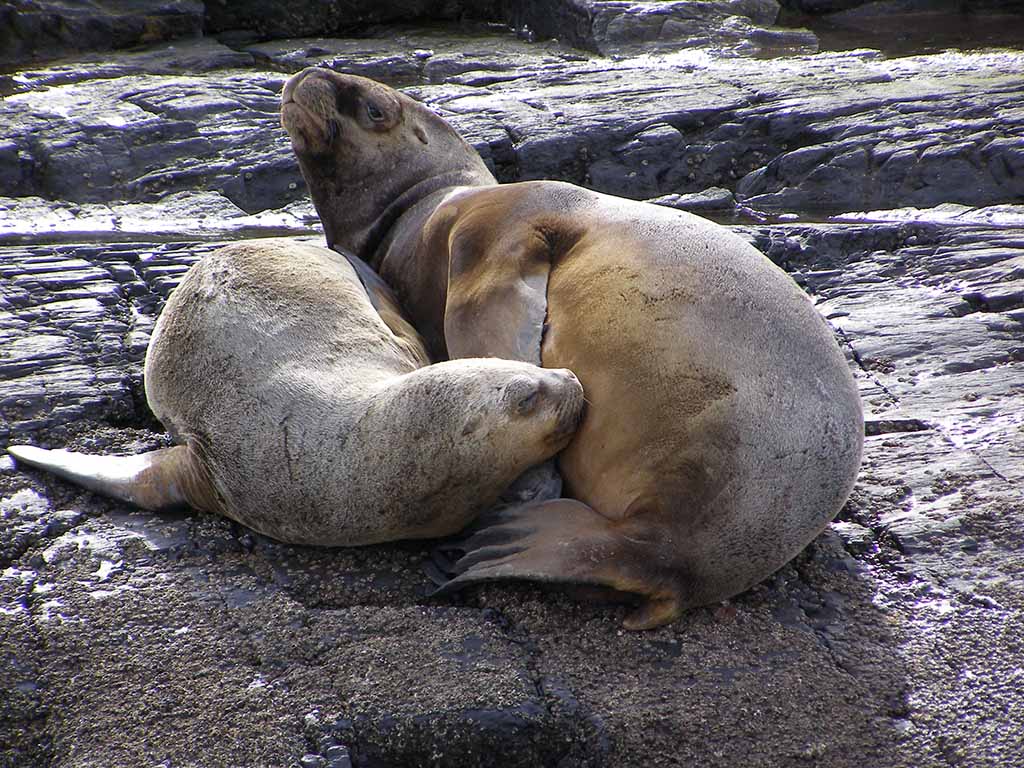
(565, 541)
(542, 482)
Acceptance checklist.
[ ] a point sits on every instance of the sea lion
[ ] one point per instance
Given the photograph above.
(724, 429)
(303, 408)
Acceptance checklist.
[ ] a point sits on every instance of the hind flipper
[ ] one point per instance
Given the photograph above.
(565, 541)
(161, 479)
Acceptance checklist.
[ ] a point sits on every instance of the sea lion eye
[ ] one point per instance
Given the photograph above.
(522, 395)
(526, 405)
(374, 112)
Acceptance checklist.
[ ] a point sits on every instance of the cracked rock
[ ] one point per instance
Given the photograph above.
(887, 187)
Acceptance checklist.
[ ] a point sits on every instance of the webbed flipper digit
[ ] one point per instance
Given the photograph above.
(564, 541)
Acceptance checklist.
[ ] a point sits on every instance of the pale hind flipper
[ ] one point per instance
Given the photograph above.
(161, 479)
(565, 541)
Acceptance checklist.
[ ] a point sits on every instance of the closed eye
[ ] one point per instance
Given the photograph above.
(526, 405)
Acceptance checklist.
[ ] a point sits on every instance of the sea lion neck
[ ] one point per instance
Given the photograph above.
(409, 199)
(357, 215)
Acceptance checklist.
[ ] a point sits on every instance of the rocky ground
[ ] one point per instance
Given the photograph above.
(890, 187)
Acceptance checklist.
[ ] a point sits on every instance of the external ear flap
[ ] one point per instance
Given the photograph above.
(497, 292)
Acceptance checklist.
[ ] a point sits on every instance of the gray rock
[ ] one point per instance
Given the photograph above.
(128, 638)
(932, 511)
(473, 55)
(758, 128)
(615, 27)
(199, 215)
(301, 18)
(762, 129)
(711, 201)
(31, 30)
(890, 8)
(821, 6)
(143, 137)
(902, 27)
(182, 56)
(897, 7)
(880, 139)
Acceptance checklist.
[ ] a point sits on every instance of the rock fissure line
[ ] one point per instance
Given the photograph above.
(820, 633)
(548, 698)
(976, 455)
(848, 342)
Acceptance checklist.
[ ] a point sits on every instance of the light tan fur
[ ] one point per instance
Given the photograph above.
(302, 414)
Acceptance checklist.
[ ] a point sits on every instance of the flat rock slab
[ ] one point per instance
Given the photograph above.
(140, 138)
(612, 27)
(342, 648)
(49, 29)
(825, 134)
(206, 215)
(129, 638)
(41, 29)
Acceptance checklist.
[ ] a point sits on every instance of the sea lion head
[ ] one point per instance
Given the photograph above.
(368, 153)
(510, 413)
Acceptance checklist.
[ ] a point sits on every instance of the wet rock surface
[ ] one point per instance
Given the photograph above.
(784, 134)
(36, 30)
(47, 29)
(889, 188)
(615, 27)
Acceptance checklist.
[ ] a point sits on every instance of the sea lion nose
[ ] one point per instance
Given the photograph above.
(289, 86)
(571, 402)
(565, 377)
(293, 83)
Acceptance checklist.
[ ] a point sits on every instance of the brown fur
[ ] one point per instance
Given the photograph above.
(724, 430)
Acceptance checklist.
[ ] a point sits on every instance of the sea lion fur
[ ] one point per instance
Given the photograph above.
(305, 412)
(724, 429)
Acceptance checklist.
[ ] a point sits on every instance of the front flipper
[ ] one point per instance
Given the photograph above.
(497, 292)
(565, 541)
(384, 301)
(541, 482)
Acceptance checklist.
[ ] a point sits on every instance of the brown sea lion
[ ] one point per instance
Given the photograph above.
(724, 429)
(304, 408)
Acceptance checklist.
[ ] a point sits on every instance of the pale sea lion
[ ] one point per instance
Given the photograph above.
(724, 429)
(304, 408)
